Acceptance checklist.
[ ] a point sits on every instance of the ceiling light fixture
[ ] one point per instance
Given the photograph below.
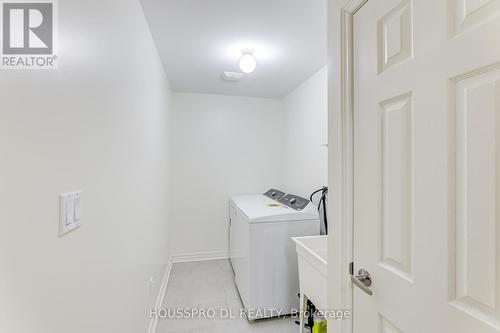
(247, 61)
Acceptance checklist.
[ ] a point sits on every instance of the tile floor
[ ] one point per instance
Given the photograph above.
(210, 284)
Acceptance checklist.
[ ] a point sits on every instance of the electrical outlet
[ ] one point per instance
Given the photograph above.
(70, 212)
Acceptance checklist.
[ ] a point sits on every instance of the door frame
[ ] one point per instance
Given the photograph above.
(341, 151)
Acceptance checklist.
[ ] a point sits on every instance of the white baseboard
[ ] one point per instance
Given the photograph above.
(153, 323)
(178, 258)
(200, 256)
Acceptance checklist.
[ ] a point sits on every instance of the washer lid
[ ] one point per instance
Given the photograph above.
(250, 200)
(258, 208)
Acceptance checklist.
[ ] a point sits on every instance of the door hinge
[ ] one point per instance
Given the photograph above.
(351, 268)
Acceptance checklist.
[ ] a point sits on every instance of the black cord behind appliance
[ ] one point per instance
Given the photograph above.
(322, 203)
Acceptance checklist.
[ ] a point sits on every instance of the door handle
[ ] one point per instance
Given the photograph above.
(362, 281)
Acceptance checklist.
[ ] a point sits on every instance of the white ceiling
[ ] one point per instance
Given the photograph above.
(200, 39)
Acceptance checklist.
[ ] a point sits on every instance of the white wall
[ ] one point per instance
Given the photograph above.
(99, 124)
(221, 145)
(305, 134)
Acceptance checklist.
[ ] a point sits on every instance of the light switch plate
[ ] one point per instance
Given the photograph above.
(70, 211)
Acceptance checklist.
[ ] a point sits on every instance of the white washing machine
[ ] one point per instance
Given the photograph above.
(261, 250)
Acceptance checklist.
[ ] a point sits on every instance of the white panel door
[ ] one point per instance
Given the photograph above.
(426, 165)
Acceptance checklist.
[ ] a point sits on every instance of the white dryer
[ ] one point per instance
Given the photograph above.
(261, 250)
